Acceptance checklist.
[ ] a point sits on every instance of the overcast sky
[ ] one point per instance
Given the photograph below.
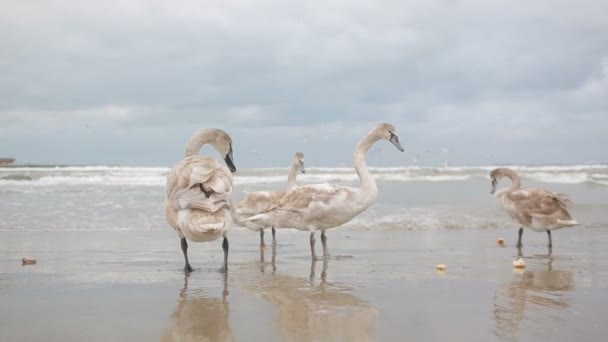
(470, 82)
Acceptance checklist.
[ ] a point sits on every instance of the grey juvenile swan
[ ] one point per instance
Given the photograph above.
(537, 209)
(197, 203)
(257, 202)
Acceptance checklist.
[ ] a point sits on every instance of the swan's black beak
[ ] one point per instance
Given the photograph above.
(302, 169)
(493, 186)
(394, 139)
(229, 162)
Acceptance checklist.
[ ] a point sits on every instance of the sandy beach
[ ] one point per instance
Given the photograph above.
(378, 286)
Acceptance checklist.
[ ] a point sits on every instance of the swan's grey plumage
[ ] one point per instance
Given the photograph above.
(257, 202)
(323, 206)
(198, 190)
(537, 209)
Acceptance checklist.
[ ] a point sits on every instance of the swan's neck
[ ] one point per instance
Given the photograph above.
(293, 173)
(515, 180)
(368, 183)
(196, 142)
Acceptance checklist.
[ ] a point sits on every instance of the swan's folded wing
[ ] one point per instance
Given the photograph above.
(217, 183)
(184, 184)
(540, 203)
(199, 173)
(256, 202)
(192, 199)
(304, 197)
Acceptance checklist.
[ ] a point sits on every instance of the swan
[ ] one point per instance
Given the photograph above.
(197, 203)
(256, 202)
(323, 206)
(537, 209)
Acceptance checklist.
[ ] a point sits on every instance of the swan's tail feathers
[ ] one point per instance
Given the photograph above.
(563, 200)
(207, 231)
(569, 223)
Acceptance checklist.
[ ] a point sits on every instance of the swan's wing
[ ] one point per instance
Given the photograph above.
(541, 203)
(200, 183)
(256, 202)
(303, 197)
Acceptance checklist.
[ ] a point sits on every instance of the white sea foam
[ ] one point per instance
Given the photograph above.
(156, 176)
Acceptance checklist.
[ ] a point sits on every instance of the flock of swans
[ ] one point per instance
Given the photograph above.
(199, 206)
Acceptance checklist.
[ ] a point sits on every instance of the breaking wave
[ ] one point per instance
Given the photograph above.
(155, 176)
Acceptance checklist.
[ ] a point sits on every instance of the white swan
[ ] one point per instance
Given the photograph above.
(257, 202)
(324, 206)
(197, 203)
(537, 209)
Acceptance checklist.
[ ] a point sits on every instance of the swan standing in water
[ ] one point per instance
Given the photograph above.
(323, 206)
(537, 209)
(197, 205)
(256, 202)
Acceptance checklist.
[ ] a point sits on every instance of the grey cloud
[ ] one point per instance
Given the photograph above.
(447, 72)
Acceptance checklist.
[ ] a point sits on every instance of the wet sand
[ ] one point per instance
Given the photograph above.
(378, 286)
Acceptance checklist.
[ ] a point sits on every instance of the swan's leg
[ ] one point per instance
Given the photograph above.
(324, 241)
(521, 232)
(274, 259)
(274, 236)
(262, 258)
(225, 248)
(324, 272)
(262, 244)
(312, 246)
(550, 240)
(312, 274)
(187, 266)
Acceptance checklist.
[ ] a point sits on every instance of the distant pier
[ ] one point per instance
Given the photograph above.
(6, 161)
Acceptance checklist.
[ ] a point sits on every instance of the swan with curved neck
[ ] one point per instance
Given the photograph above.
(256, 202)
(198, 190)
(537, 209)
(323, 206)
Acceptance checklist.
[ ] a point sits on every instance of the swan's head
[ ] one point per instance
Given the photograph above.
(299, 160)
(388, 132)
(496, 175)
(222, 142)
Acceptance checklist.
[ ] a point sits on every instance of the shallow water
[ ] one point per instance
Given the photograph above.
(109, 267)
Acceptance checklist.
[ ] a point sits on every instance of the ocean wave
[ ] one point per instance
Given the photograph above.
(156, 176)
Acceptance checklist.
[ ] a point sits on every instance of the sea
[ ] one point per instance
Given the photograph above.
(115, 198)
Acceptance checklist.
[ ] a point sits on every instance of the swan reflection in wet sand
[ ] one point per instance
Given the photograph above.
(199, 316)
(531, 300)
(310, 311)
